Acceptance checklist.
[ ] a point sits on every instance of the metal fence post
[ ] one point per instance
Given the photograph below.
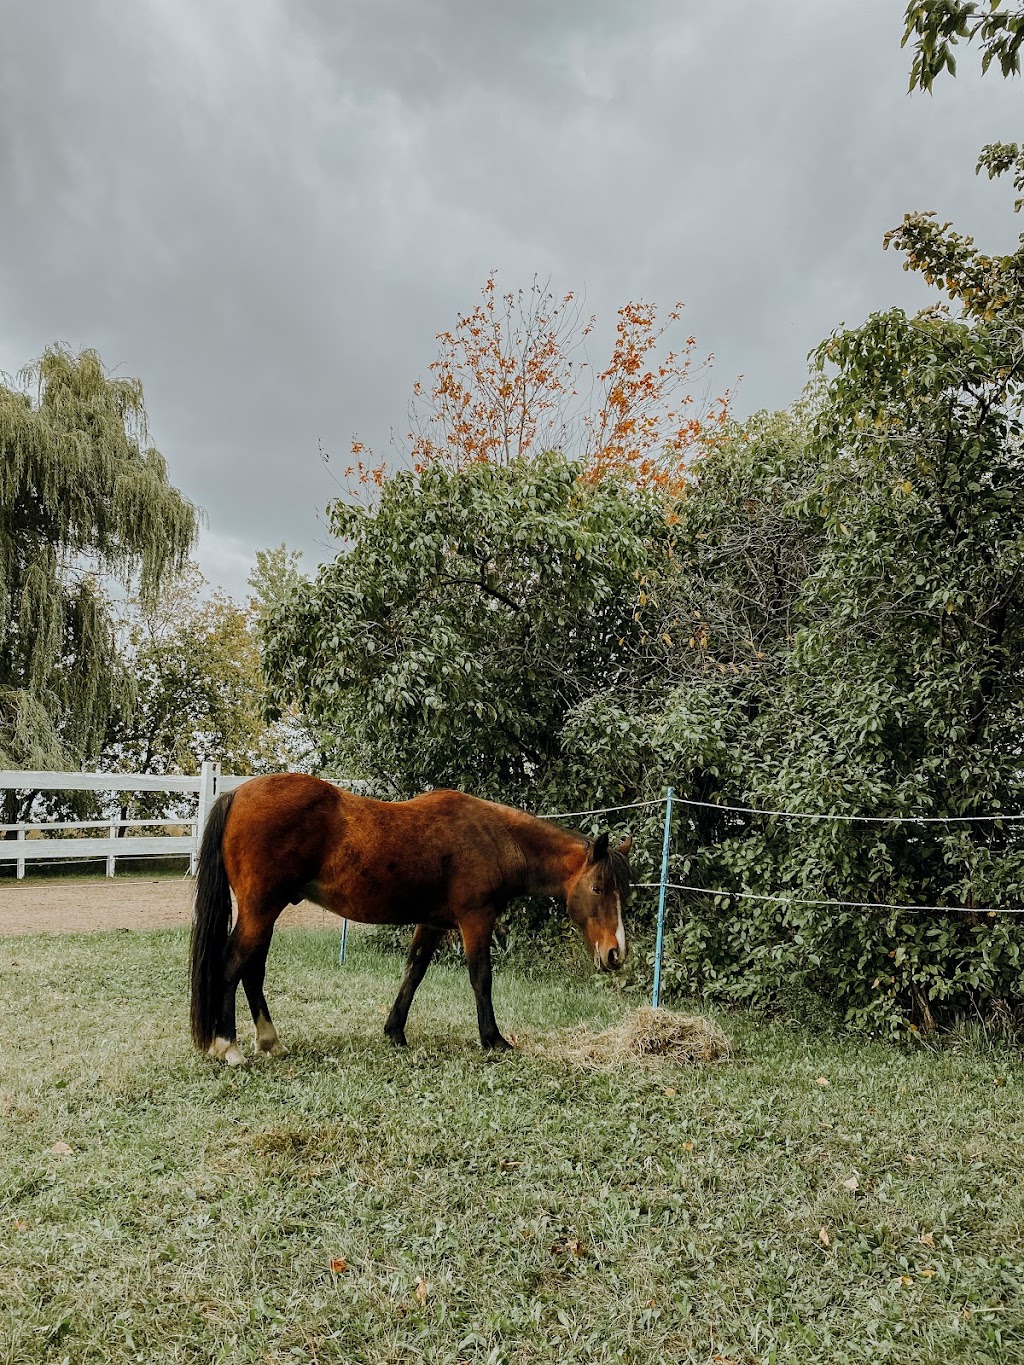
(343, 949)
(662, 889)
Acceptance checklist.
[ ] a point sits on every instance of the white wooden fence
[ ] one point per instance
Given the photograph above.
(22, 849)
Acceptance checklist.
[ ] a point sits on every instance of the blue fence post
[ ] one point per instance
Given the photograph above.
(344, 943)
(662, 889)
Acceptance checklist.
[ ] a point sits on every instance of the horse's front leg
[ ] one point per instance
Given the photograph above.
(476, 939)
(424, 945)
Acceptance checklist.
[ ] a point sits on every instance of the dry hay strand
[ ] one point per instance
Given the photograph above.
(647, 1035)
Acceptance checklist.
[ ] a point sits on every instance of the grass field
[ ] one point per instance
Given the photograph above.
(155, 1207)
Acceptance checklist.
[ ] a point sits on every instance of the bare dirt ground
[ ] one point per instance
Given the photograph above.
(72, 907)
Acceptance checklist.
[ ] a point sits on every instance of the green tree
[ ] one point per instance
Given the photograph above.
(901, 692)
(470, 611)
(84, 501)
(198, 685)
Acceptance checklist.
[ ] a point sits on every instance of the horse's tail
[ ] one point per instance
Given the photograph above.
(210, 926)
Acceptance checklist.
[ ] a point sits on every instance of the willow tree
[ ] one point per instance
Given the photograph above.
(84, 503)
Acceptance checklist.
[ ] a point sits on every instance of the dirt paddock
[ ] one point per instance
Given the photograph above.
(76, 907)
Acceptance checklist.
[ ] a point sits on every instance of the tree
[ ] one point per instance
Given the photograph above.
(512, 380)
(470, 610)
(84, 500)
(902, 693)
(198, 685)
(938, 26)
(275, 579)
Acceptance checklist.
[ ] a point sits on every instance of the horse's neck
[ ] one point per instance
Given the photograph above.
(552, 857)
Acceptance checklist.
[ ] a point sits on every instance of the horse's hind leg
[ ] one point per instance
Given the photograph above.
(250, 937)
(252, 980)
(424, 945)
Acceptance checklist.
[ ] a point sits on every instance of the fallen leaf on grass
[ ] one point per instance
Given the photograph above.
(906, 1279)
(823, 1080)
(670, 1090)
(422, 1289)
(824, 1238)
(338, 1265)
(20, 1225)
(927, 1239)
(61, 1149)
(687, 1146)
(928, 1273)
(852, 1184)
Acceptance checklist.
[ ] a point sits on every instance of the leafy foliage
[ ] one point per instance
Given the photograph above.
(938, 26)
(470, 612)
(900, 690)
(198, 685)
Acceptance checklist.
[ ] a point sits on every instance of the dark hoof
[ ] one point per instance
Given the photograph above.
(395, 1036)
(496, 1044)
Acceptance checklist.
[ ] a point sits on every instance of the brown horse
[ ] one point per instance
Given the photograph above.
(441, 861)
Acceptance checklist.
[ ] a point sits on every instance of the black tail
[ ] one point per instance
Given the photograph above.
(210, 922)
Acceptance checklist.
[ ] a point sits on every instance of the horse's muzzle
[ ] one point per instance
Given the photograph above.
(610, 961)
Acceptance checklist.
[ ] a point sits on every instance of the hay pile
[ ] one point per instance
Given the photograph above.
(648, 1035)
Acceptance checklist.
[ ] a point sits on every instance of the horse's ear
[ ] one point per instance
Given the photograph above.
(599, 851)
(626, 845)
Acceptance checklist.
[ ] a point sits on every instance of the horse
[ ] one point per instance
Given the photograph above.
(441, 861)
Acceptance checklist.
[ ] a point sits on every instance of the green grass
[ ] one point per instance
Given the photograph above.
(644, 1214)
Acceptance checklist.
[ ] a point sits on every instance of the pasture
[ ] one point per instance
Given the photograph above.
(813, 1199)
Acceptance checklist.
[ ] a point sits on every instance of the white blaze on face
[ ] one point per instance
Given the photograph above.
(620, 933)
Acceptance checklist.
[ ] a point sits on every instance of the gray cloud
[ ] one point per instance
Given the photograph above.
(267, 209)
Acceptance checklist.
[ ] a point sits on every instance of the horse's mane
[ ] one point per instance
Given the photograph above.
(619, 866)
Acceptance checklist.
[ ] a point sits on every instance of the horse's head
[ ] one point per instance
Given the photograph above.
(595, 900)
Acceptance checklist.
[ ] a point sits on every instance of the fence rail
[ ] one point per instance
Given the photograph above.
(205, 786)
(23, 849)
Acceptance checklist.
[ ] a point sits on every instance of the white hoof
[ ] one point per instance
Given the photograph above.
(227, 1050)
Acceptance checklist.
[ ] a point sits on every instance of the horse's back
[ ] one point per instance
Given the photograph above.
(290, 836)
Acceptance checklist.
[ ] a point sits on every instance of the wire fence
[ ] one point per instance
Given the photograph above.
(663, 885)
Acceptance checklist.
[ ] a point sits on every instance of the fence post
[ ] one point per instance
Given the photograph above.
(19, 834)
(343, 950)
(112, 857)
(208, 775)
(662, 889)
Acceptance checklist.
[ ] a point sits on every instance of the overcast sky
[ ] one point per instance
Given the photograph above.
(266, 209)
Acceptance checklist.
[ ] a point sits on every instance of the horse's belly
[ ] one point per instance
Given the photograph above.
(384, 906)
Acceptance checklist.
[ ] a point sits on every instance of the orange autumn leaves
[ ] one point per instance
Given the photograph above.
(513, 378)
